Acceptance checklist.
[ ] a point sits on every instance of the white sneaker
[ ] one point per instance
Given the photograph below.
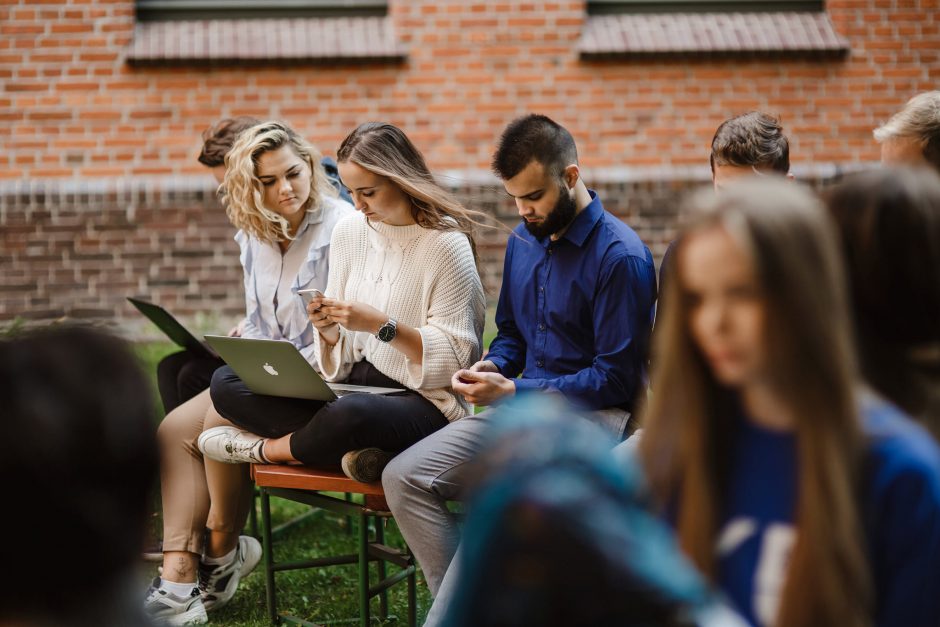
(165, 608)
(218, 584)
(231, 445)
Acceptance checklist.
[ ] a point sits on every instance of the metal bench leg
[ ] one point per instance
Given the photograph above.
(253, 514)
(383, 595)
(413, 595)
(267, 546)
(363, 569)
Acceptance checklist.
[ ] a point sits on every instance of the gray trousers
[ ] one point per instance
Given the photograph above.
(419, 482)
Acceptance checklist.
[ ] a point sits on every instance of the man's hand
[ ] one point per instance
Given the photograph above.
(481, 384)
(484, 366)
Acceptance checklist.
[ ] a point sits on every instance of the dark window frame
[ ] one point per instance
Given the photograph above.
(608, 7)
(171, 10)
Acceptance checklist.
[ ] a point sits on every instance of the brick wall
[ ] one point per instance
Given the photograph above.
(74, 116)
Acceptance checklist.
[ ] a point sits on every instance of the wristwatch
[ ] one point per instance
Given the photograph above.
(387, 331)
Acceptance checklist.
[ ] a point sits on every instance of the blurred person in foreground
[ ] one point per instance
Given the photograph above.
(804, 499)
(79, 455)
(557, 534)
(889, 221)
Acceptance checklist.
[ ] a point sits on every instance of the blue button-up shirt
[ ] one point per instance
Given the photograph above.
(575, 315)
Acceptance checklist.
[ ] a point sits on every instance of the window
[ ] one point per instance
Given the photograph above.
(219, 32)
(602, 7)
(643, 28)
(150, 10)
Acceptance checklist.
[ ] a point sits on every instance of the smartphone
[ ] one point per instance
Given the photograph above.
(308, 294)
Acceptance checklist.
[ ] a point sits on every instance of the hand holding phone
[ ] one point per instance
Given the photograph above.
(309, 294)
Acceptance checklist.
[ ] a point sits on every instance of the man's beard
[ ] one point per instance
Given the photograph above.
(557, 219)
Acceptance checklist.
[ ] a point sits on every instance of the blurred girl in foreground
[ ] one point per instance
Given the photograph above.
(808, 501)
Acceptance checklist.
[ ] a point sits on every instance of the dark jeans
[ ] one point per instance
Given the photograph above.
(183, 375)
(324, 431)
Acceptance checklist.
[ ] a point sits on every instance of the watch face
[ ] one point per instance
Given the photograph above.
(387, 333)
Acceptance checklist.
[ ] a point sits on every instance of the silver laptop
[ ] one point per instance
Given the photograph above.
(276, 368)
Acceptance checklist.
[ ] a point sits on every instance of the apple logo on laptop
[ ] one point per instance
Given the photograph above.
(269, 369)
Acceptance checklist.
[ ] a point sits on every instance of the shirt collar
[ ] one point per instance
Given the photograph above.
(314, 216)
(584, 222)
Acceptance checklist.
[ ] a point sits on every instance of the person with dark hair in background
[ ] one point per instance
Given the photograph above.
(574, 317)
(748, 145)
(804, 498)
(79, 455)
(184, 374)
(912, 136)
(751, 144)
(890, 226)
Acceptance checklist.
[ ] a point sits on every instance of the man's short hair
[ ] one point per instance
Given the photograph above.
(919, 119)
(754, 139)
(218, 139)
(534, 138)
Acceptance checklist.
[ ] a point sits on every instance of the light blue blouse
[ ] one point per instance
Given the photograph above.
(273, 309)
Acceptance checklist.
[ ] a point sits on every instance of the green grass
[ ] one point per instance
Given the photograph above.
(323, 595)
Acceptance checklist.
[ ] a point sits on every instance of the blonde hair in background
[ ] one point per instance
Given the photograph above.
(385, 150)
(920, 119)
(689, 426)
(242, 192)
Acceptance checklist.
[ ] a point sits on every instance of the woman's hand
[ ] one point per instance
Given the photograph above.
(318, 318)
(351, 315)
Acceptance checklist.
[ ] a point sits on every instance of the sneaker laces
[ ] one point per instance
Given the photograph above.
(205, 576)
(239, 446)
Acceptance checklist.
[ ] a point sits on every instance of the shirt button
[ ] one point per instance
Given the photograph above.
(541, 288)
(540, 363)
(551, 251)
(541, 326)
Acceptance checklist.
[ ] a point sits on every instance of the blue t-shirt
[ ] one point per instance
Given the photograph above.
(900, 511)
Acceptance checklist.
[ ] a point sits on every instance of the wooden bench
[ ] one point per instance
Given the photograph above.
(308, 485)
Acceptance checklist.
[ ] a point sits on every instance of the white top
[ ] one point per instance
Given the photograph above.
(421, 277)
(273, 309)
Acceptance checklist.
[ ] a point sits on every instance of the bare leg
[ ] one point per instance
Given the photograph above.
(277, 450)
(180, 566)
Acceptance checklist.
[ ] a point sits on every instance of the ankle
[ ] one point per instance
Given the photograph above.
(220, 560)
(261, 452)
(180, 589)
(219, 545)
(179, 567)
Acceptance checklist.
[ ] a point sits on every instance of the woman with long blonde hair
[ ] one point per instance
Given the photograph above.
(806, 500)
(277, 194)
(403, 309)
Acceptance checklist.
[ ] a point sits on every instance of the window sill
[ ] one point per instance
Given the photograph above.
(295, 40)
(721, 34)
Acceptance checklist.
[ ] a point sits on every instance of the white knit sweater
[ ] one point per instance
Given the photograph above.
(420, 277)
